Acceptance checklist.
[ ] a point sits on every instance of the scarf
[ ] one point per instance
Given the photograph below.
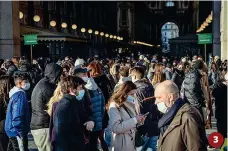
(168, 117)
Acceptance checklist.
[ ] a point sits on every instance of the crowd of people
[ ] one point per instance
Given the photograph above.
(120, 104)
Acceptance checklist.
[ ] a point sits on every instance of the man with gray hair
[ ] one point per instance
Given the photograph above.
(180, 121)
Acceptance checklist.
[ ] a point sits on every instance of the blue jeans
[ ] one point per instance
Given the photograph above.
(151, 142)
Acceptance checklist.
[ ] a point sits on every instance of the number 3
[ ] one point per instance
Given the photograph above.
(215, 139)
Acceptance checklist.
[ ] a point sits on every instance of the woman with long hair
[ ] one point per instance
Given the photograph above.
(54, 99)
(51, 110)
(159, 76)
(5, 87)
(123, 110)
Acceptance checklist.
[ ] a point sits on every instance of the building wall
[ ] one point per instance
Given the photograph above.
(95, 15)
(223, 29)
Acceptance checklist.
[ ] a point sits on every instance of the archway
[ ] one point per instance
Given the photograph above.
(168, 31)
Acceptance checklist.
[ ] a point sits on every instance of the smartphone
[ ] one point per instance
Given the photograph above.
(146, 114)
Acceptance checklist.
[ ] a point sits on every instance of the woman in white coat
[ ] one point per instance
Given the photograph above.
(123, 117)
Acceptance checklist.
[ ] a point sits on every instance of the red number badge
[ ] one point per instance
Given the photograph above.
(215, 139)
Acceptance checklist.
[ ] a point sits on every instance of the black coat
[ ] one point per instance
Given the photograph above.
(41, 95)
(68, 119)
(3, 108)
(104, 84)
(145, 89)
(191, 88)
(178, 77)
(220, 94)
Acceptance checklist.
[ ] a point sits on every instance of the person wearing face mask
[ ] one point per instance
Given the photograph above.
(69, 119)
(181, 121)
(123, 74)
(98, 108)
(146, 90)
(18, 115)
(123, 110)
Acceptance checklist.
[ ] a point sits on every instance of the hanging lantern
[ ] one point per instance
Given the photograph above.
(106, 35)
(114, 37)
(96, 32)
(21, 15)
(52, 23)
(111, 36)
(74, 26)
(210, 17)
(202, 26)
(36, 18)
(90, 31)
(64, 25)
(83, 30)
(208, 20)
(205, 24)
(102, 34)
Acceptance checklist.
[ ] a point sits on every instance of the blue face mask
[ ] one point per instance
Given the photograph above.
(130, 99)
(80, 95)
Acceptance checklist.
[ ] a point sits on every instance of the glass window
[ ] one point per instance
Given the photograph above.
(124, 16)
(169, 4)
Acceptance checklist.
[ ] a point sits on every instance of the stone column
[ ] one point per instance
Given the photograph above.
(223, 26)
(9, 29)
(216, 28)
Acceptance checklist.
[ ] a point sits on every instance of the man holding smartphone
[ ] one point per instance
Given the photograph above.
(148, 108)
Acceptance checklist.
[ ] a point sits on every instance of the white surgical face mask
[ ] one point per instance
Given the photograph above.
(26, 86)
(86, 79)
(161, 107)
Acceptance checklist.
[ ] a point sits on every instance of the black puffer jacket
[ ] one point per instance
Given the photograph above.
(41, 94)
(145, 89)
(191, 89)
(178, 77)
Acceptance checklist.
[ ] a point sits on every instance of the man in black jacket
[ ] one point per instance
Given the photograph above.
(41, 94)
(145, 90)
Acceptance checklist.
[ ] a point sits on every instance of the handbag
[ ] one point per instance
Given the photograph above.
(139, 137)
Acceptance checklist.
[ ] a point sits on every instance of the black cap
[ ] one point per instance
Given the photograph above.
(81, 70)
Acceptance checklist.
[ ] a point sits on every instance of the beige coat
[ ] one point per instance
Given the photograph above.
(123, 127)
(185, 133)
(206, 91)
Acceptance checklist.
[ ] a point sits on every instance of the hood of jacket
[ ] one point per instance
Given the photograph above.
(52, 72)
(15, 90)
(91, 84)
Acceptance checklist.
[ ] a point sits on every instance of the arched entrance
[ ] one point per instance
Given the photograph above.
(168, 31)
